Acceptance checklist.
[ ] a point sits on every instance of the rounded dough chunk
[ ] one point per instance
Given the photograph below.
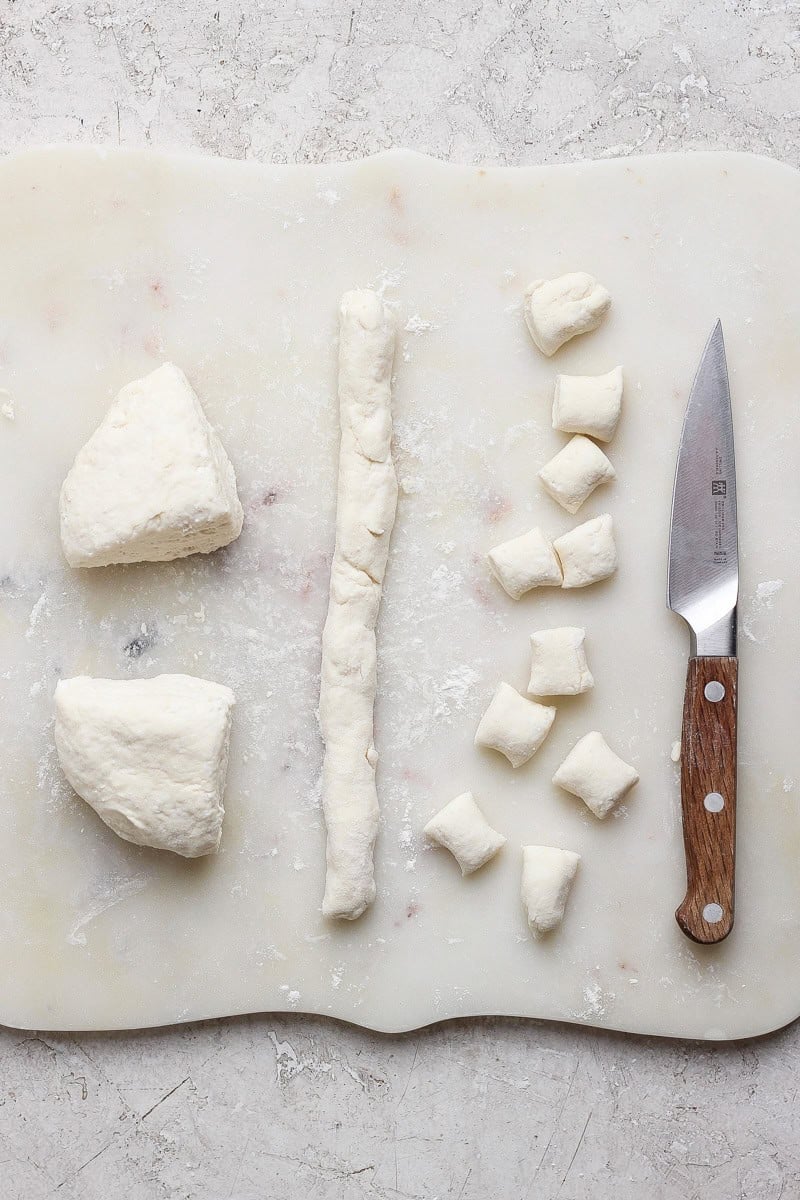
(153, 482)
(593, 772)
(558, 662)
(525, 562)
(149, 755)
(588, 552)
(547, 875)
(589, 404)
(463, 830)
(573, 474)
(514, 725)
(559, 309)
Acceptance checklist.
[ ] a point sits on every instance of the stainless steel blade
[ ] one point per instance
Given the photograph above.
(703, 571)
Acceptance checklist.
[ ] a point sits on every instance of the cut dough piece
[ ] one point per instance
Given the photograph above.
(588, 552)
(514, 725)
(558, 663)
(559, 309)
(525, 562)
(547, 875)
(596, 774)
(573, 474)
(149, 755)
(463, 830)
(589, 404)
(152, 483)
(365, 512)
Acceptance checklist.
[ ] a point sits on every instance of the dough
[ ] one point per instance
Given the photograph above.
(573, 474)
(558, 663)
(587, 553)
(463, 830)
(366, 505)
(149, 755)
(526, 562)
(589, 404)
(559, 309)
(547, 875)
(596, 774)
(514, 726)
(152, 483)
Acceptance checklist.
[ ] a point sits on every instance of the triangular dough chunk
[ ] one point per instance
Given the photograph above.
(152, 483)
(149, 755)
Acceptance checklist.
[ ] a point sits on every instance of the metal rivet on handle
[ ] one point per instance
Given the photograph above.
(714, 802)
(714, 691)
(713, 913)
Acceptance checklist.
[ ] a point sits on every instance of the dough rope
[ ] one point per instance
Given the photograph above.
(366, 506)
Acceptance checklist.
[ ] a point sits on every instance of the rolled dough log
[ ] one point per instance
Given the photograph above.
(366, 506)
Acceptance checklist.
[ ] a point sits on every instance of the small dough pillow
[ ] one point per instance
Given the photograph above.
(547, 875)
(514, 726)
(524, 563)
(558, 662)
(596, 774)
(573, 474)
(149, 755)
(589, 404)
(588, 552)
(152, 483)
(559, 309)
(463, 830)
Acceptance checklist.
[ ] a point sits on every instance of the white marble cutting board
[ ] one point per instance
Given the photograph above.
(112, 262)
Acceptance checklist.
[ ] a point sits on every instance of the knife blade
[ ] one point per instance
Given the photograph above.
(703, 589)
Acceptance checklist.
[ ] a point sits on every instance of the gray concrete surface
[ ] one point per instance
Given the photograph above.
(489, 1110)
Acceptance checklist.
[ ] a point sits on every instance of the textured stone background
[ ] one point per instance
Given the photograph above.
(490, 1110)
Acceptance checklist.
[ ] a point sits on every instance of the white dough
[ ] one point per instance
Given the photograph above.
(547, 875)
(596, 774)
(588, 552)
(558, 662)
(525, 562)
(152, 483)
(149, 755)
(514, 725)
(463, 830)
(589, 404)
(365, 512)
(559, 309)
(573, 474)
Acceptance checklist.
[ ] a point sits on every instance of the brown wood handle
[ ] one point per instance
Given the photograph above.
(708, 798)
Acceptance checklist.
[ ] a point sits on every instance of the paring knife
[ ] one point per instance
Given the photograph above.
(703, 588)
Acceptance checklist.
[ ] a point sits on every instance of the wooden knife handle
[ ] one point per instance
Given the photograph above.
(708, 798)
